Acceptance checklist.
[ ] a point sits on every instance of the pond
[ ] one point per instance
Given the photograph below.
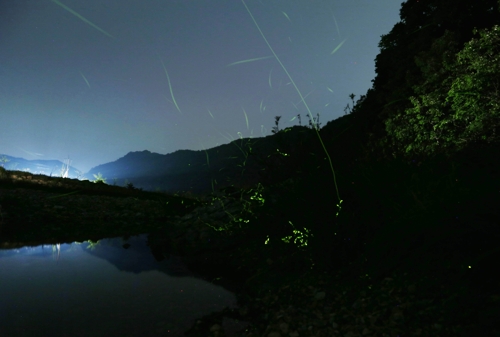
(109, 288)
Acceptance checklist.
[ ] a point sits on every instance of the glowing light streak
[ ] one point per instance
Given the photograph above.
(81, 17)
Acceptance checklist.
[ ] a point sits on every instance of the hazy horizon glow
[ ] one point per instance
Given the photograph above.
(93, 80)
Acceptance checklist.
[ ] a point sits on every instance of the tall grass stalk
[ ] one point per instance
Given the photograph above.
(302, 100)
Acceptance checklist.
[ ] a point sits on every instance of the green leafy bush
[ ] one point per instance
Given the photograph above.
(99, 178)
(456, 108)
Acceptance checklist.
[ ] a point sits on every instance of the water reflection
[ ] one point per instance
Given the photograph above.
(107, 288)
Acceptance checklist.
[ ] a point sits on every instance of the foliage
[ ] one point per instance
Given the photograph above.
(301, 97)
(458, 105)
(397, 65)
(348, 109)
(131, 186)
(299, 238)
(93, 244)
(294, 151)
(4, 160)
(314, 123)
(276, 121)
(289, 156)
(99, 178)
(475, 95)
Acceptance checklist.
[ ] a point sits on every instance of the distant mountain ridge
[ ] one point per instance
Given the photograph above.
(198, 171)
(149, 170)
(182, 170)
(53, 168)
(243, 162)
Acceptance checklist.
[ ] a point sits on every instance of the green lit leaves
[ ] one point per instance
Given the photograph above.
(93, 244)
(4, 160)
(297, 89)
(99, 178)
(474, 94)
(299, 238)
(420, 129)
(456, 108)
(257, 197)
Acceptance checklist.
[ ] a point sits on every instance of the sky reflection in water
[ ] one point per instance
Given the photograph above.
(103, 290)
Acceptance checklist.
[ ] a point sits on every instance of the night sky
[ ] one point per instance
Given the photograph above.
(95, 79)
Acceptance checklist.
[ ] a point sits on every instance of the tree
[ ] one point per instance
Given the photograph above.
(459, 104)
(475, 94)
(423, 22)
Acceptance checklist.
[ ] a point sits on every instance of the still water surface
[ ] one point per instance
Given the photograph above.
(102, 289)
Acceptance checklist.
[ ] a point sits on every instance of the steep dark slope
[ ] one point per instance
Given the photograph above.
(397, 68)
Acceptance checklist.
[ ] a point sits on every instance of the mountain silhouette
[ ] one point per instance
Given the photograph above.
(239, 163)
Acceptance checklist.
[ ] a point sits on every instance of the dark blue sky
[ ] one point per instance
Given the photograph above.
(95, 79)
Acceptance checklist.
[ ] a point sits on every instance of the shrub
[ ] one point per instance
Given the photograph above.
(99, 178)
(3, 173)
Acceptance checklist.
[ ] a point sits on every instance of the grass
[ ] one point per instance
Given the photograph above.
(302, 100)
